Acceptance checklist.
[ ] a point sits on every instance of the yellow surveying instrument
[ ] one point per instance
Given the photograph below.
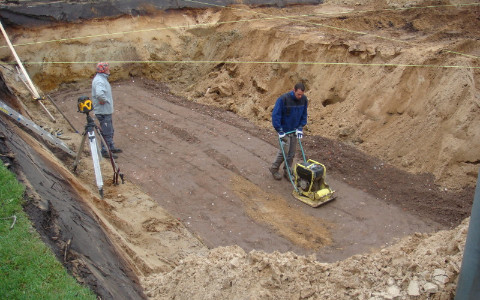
(84, 105)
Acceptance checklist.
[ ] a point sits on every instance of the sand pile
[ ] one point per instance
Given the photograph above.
(422, 266)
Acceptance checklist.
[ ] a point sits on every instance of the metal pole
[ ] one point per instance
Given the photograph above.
(56, 106)
(468, 287)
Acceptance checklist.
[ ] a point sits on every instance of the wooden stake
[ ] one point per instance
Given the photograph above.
(32, 88)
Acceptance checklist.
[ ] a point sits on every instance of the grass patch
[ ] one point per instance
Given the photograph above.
(28, 268)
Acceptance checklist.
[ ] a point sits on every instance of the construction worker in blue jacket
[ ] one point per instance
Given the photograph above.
(103, 107)
(289, 115)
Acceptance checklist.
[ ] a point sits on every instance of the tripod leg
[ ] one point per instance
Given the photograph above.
(99, 147)
(102, 140)
(96, 162)
(77, 158)
(116, 169)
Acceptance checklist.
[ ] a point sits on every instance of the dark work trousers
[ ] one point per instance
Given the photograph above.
(289, 143)
(106, 125)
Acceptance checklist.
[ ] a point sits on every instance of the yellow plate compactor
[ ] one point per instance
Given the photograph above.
(308, 180)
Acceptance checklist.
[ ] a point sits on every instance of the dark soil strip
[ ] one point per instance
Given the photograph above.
(416, 193)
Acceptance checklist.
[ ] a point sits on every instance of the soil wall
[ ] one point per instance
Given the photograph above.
(401, 85)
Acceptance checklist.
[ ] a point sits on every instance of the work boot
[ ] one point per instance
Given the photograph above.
(275, 173)
(285, 174)
(105, 154)
(116, 150)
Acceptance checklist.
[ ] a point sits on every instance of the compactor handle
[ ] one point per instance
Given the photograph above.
(301, 146)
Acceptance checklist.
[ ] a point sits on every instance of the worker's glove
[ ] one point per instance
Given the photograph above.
(299, 133)
(281, 134)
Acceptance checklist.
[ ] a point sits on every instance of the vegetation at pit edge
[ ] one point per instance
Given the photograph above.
(28, 268)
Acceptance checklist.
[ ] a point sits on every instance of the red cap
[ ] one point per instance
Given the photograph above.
(102, 67)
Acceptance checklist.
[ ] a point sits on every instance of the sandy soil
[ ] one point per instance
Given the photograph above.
(199, 145)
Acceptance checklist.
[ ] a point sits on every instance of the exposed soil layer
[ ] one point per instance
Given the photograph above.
(397, 79)
(393, 114)
(35, 13)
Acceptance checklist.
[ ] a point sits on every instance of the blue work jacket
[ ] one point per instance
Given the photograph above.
(289, 113)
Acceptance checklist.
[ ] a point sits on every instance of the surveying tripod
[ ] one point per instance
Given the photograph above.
(85, 106)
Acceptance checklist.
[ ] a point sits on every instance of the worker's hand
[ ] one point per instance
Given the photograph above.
(281, 134)
(299, 133)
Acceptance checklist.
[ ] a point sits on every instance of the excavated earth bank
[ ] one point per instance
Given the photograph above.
(393, 112)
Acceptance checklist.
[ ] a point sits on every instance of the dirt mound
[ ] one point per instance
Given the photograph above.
(420, 266)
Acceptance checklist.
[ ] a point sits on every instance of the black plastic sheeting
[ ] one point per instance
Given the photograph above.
(23, 13)
(91, 253)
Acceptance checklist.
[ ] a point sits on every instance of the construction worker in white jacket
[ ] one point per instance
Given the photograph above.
(103, 107)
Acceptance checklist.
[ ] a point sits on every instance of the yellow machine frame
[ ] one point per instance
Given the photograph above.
(317, 192)
(313, 195)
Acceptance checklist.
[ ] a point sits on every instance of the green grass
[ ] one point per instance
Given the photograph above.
(28, 268)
